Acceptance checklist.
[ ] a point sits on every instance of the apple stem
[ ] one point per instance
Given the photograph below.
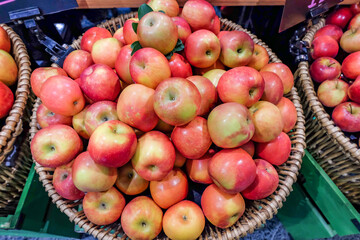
(350, 108)
(331, 64)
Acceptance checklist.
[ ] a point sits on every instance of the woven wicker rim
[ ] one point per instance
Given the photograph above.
(255, 215)
(13, 123)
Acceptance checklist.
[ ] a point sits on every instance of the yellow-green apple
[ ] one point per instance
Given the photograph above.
(232, 170)
(129, 35)
(259, 58)
(62, 95)
(220, 208)
(99, 82)
(274, 88)
(55, 145)
(355, 22)
(105, 51)
(265, 183)
(283, 72)
(355, 8)
(179, 66)
(207, 91)
(119, 35)
(154, 157)
(78, 123)
(112, 144)
(333, 92)
(170, 190)
(103, 208)
(192, 140)
(354, 91)
(217, 65)
(5, 43)
(149, 67)
(340, 17)
(135, 107)
(330, 30)
(202, 48)
(184, 220)
(183, 28)
(179, 159)
(288, 114)
(197, 169)
(237, 49)
(91, 36)
(349, 40)
(351, 65)
(45, 117)
(215, 25)
(88, 176)
(170, 7)
(230, 125)
(122, 64)
(6, 100)
(64, 184)
(324, 46)
(8, 70)
(268, 121)
(199, 14)
(346, 116)
(177, 101)
(325, 68)
(249, 147)
(142, 218)
(214, 76)
(164, 127)
(276, 151)
(129, 181)
(243, 85)
(40, 75)
(76, 62)
(157, 30)
(99, 113)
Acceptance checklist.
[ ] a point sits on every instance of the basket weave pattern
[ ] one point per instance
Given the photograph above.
(257, 212)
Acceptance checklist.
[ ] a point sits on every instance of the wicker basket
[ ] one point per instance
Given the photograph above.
(336, 154)
(257, 212)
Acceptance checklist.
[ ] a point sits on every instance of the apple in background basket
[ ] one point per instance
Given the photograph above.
(347, 116)
(129, 35)
(259, 58)
(5, 42)
(184, 220)
(45, 117)
(349, 41)
(8, 70)
(202, 48)
(355, 22)
(91, 36)
(215, 25)
(76, 62)
(207, 91)
(179, 66)
(149, 67)
(41, 74)
(220, 208)
(283, 72)
(103, 208)
(197, 169)
(122, 64)
(147, 223)
(243, 85)
(6, 100)
(183, 27)
(325, 68)
(276, 151)
(333, 92)
(274, 88)
(217, 65)
(63, 183)
(105, 51)
(119, 35)
(354, 91)
(288, 113)
(129, 181)
(170, 7)
(330, 30)
(355, 8)
(135, 107)
(265, 183)
(324, 46)
(55, 145)
(340, 17)
(78, 123)
(214, 76)
(99, 113)
(199, 14)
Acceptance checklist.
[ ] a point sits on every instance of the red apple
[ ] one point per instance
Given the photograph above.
(141, 218)
(76, 62)
(177, 101)
(164, 127)
(346, 116)
(199, 14)
(184, 220)
(355, 8)
(330, 30)
(55, 145)
(91, 36)
(243, 85)
(207, 91)
(283, 72)
(170, 7)
(129, 35)
(354, 91)
(288, 114)
(349, 41)
(214, 76)
(202, 48)
(105, 51)
(215, 25)
(99, 82)
(237, 49)
(324, 46)
(40, 75)
(122, 64)
(99, 113)
(276, 151)
(88, 176)
(149, 67)
(333, 92)
(6, 100)
(325, 68)
(45, 117)
(197, 169)
(222, 33)
(351, 65)
(265, 183)
(8, 69)
(179, 66)
(217, 65)
(183, 27)
(259, 58)
(135, 107)
(63, 183)
(220, 208)
(179, 159)
(340, 17)
(5, 43)
(119, 35)
(274, 88)
(103, 208)
(249, 147)
(129, 182)
(78, 123)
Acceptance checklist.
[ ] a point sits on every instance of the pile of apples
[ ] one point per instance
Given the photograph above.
(159, 127)
(8, 74)
(339, 84)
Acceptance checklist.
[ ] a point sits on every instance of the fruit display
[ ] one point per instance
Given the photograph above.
(134, 123)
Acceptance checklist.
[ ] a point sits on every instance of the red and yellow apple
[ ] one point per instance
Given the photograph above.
(129, 181)
(76, 62)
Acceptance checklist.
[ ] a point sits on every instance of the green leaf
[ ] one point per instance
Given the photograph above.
(144, 9)
(135, 46)
(179, 46)
(134, 26)
(162, 11)
(169, 55)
